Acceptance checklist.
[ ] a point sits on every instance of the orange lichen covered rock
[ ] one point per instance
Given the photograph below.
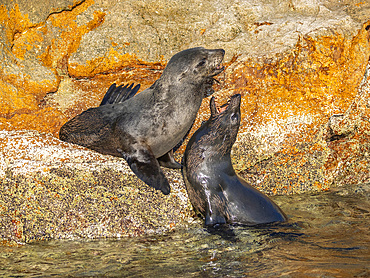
(34, 58)
(348, 137)
(23, 82)
(83, 39)
(300, 66)
(43, 120)
(316, 79)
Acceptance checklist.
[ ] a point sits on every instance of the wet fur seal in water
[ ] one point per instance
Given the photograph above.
(144, 128)
(215, 190)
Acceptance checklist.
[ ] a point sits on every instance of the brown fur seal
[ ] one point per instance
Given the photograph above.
(147, 126)
(214, 189)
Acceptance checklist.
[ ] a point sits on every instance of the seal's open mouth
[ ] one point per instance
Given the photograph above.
(218, 69)
(232, 102)
(210, 80)
(221, 108)
(217, 58)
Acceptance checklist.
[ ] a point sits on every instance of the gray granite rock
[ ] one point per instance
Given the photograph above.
(154, 29)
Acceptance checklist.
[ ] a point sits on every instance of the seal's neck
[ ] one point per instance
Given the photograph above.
(190, 93)
(225, 162)
(218, 163)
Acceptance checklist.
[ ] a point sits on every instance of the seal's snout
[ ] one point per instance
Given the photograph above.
(218, 56)
(235, 100)
(221, 51)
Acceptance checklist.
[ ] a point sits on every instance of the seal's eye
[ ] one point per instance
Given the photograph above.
(234, 117)
(201, 63)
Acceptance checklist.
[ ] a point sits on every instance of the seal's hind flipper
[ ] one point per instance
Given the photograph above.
(146, 167)
(167, 160)
(119, 94)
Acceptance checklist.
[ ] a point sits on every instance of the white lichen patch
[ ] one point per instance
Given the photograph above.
(274, 131)
(28, 151)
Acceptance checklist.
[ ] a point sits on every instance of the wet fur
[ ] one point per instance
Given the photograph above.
(215, 190)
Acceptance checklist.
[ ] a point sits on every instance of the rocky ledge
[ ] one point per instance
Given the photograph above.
(51, 189)
(302, 68)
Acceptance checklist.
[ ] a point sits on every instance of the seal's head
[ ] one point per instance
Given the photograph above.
(223, 125)
(214, 139)
(195, 66)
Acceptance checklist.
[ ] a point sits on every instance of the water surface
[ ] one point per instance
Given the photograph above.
(327, 236)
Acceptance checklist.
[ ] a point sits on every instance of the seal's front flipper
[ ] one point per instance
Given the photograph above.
(146, 167)
(217, 209)
(213, 219)
(225, 231)
(167, 160)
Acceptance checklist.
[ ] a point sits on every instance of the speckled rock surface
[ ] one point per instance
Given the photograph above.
(309, 156)
(51, 189)
(302, 68)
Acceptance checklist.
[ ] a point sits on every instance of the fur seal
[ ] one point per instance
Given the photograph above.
(214, 189)
(144, 128)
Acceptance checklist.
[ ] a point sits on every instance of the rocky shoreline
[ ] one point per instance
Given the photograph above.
(302, 68)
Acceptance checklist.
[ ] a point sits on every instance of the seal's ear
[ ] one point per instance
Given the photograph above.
(213, 107)
(183, 74)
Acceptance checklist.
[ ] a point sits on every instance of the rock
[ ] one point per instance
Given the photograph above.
(23, 82)
(281, 47)
(311, 156)
(52, 189)
(300, 66)
(348, 138)
(36, 11)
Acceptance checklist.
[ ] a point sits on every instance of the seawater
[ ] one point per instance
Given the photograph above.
(327, 236)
